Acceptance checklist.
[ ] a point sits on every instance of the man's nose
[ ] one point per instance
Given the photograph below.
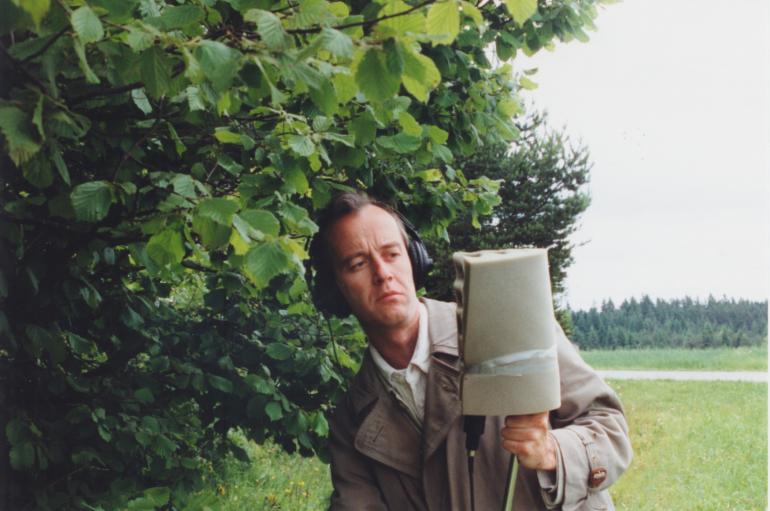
(381, 269)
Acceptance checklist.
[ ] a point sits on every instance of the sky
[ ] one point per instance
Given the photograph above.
(672, 98)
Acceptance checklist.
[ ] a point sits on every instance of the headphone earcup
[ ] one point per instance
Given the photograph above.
(421, 261)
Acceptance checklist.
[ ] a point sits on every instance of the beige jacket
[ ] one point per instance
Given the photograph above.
(380, 459)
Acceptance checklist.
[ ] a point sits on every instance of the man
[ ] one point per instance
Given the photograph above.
(397, 438)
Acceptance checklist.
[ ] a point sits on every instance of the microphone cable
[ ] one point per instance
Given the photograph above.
(474, 428)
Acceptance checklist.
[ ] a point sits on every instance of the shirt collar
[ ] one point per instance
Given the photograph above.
(420, 356)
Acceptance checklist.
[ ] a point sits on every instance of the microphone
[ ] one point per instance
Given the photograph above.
(507, 338)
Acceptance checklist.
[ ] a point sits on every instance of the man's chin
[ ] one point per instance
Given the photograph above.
(391, 315)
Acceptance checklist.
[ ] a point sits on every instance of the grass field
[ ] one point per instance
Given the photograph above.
(717, 359)
(273, 481)
(697, 446)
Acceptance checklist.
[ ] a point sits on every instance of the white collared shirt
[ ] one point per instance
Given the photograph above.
(409, 383)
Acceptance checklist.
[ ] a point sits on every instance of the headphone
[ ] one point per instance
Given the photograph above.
(327, 297)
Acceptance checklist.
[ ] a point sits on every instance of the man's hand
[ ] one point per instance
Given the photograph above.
(527, 437)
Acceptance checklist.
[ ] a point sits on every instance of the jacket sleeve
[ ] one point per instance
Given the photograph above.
(590, 429)
(355, 487)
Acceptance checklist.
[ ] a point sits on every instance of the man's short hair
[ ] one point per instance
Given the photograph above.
(324, 286)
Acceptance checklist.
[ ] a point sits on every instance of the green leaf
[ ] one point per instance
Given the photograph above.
(219, 383)
(184, 185)
(231, 166)
(218, 209)
(17, 130)
(139, 97)
(508, 107)
(437, 135)
(166, 247)
(139, 38)
(373, 77)
(278, 351)
(409, 124)
(297, 219)
(219, 62)
(37, 117)
(213, 234)
(16, 431)
(80, 51)
(394, 57)
(472, 12)
(412, 23)
(296, 181)
(443, 21)
(226, 136)
(144, 395)
(258, 384)
(430, 175)
(91, 201)
(301, 144)
(158, 496)
(87, 25)
(37, 9)
(364, 127)
(80, 345)
(521, 10)
(321, 426)
(22, 456)
(325, 98)
(265, 261)
(269, 28)
(401, 143)
(273, 410)
(262, 220)
(345, 86)
(526, 83)
(180, 16)
(337, 43)
(38, 172)
(156, 72)
(420, 75)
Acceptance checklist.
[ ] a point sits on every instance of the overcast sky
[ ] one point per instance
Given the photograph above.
(672, 99)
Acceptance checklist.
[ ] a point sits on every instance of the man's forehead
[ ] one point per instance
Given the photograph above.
(361, 229)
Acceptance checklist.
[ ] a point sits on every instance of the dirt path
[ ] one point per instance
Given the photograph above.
(622, 374)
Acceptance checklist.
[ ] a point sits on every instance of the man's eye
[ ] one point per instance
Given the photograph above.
(356, 265)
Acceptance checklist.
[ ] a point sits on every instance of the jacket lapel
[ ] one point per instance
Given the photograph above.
(442, 401)
(386, 434)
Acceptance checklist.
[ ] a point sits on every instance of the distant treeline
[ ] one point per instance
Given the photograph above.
(684, 323)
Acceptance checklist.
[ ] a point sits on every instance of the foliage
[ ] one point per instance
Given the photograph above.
(684, 323)
(163, 163)
(542, 192)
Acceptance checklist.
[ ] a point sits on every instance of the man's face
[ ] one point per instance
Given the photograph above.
(372, 268)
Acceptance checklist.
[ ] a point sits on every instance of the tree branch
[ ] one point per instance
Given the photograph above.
(47, 45)
(367, 23)
(106, 92)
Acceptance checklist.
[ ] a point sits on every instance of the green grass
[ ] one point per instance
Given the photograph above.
(717, 359)
(697, 446)
(273, 480)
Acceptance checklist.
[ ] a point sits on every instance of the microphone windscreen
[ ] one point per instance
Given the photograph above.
(507, 332)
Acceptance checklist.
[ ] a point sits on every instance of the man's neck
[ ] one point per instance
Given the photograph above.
(396, 345)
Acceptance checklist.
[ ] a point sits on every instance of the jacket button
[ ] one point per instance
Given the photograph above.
(597, 477)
